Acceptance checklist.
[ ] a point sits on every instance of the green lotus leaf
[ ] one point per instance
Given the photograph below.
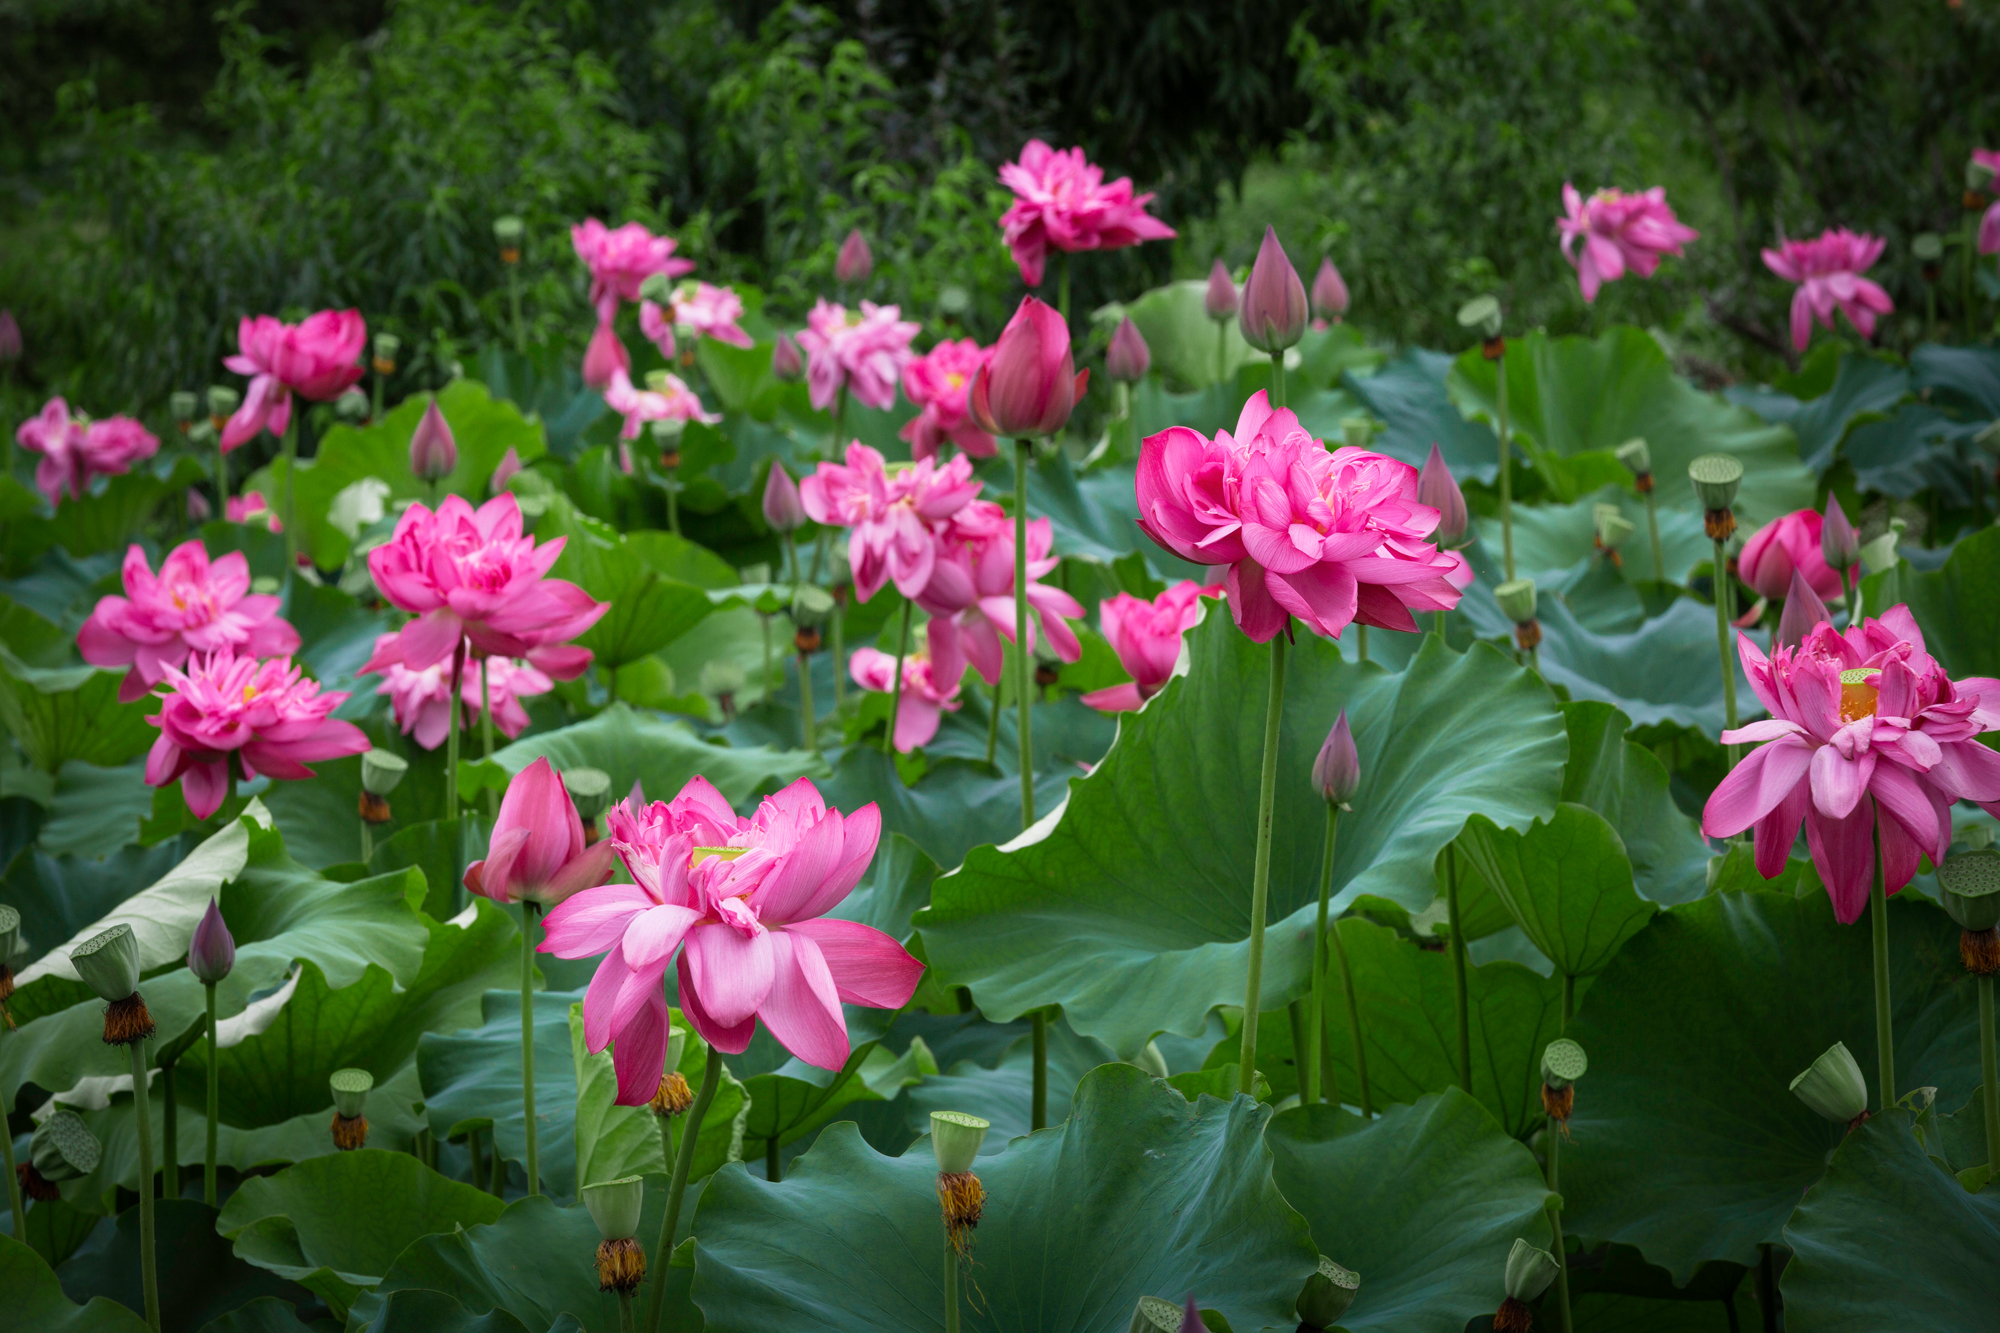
(435, 1312)
(56, 1228)
(1952, 605)
(266, 1314)
(1566, 882)
(547, 382)
(649, 607)
(200, 1279)
(1862, 389)
(34, 1298)
(661, 755)
(1409, 394)
(1189, 348)
(1550, 539)
(93, 808)
(1628, 785)
(62, 590)
(72, 713)
(474, 1075)
(58, 896)
(336, 637)
(1919, 449)
(613, 1141)
(1965, 379)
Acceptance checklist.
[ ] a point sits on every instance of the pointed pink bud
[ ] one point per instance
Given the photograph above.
(1128, 358)
(1220, 299)
(1337, 770)
(604, 357)
(10, 337)
(1803, 611)
(782, 507)
(1437, 488)
(510, 463)
(1329, 294)
(198, 507)
(1838, 541)
(1030, 385)
(787, 362)
(211, 953)
(433, 452)
(1274, 300)
(538, 849)
(855, 262)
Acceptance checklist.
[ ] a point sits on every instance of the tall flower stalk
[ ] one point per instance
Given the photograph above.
(108, 963)
(1337, 775)
(955, 1141)
(1969, 885)
(1482, 313)
(1563, 1063)
(1460, 1005)
(10, 938)
(1715, 478)
(211, 954)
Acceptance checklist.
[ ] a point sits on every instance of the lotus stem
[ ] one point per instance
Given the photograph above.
(532, 1165)
(1277, 379)
(1024, 676)
(808, 723)
(839, 622)
(477, 1177)
(1968, 233)
(711, 1078)
(1309, 1073)
(1062, 292)
(896, 694)
(496, 1181)
(7, 1159)
(625, 1312)
(367, 842)
(520, 333)
(1038, 1039)
(1361, 643)
(291, 517)
(170, 1137)
(486, 730)
(1556, 1236)
(142, 1102)
(1353, 1025)
(208, 1187)
(993, 725)
(1437, 622)
(1462, 1013)
(221, 477)
(950, 1287)
(1260, 883)
(1885, 1031)
(1506, 464)
(1221, 350)
(451, 733)
(1722, 607)
(765, 680)
(1653, 531)
(1989, 1078)
(1296, 1015)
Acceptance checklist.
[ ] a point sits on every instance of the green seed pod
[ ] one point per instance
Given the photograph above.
(386, 346)
(1612, 527)
(1969, 889)
(1481, 313)
(508, 229)
(955, 1138)
(658, 288)
(10, 933)
(1715, 478)
(590, 789)
(381, 770)
(1636, 456)
(1833, 1086)
(64, 1148)
(109, 963)
(614, 1205)
(1563, 1063)
(1327, 1294)
(183, 404)
(1517, 600)
(1927, 247)
(1529, 1271)
(1153, 1315)
(350, 1090)
(222, 400)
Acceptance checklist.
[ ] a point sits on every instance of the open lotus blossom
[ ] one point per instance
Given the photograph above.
(864, 351)
(252, 507)
(667, 398)
(1331, 538)
(931, 677)
(538, 852)
(1147, 638)
(891, 515)
(1062, 203)
(705, 310)
(938, 382)
(470, 575)
(743, 903)
(264, 716)
(1612, 231)
(1867, 735)
(621, 259)
(420, 698)
(317, 359)
(74, 450)
(1783, 545)
(193, 606)
(1989, 223)
(1828, 269)
(972, 582)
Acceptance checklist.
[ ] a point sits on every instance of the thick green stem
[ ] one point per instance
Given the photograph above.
(170, 1135)
(896, 693)
(1988, 1077)
(1024, 675)
(1038, 1108)
(673, 489)
(993, 725)
(290, 516)
(764, 680)
(1437, 623)
(1316, 1027)
(208, 1183)
(1297, 1015)
(1722, 600)
(497, 1181)
(486, 733)
(1277, 396)
(1461, 1009)
(221, 479)
(625, 1324)
(1653, 531)
(1562, 1260)
(142, 1103)
(950, 1288)
(451, 733)
(1506, 464)
(1885, 1031)
(711, 1078)
(1063, 291)
(20, 1211)
(1361, 643)
(529, 910)
(1221, 350)
(1260, 883)
(1968, 234)
(808, 723)
(513, 299)
(367, 843)
(839, 623)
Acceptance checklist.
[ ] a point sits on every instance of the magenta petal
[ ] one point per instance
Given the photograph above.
(586, 870)
(593, 921)
(1115, 698)
(868, 966)
(817, 854)
(731, 972)
(803, 1010)
(1844, 854)
(1779, 830)
(733, 1039)
(640, 1055)
(1755, 787)
(1837, 782)
(652, 936)
(599, 999)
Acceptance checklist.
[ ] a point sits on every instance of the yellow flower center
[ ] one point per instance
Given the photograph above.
(1857, 696)
(701, 854)
(249, 693)
(954, 379)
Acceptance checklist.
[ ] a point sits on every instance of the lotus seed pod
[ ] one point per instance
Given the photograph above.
(1927, 247)
(1517, 600)
(1530, 1269)
(1636, 456)
(64, 1148)
(1612, 527)
(381, 770)
(508, 229)
(614, 1205)
(10, 935)
(1482, 315)
(590, 790)
(1833, 1086)
(182, 403)
(350, 1090)
(1154, 1315)
(109, 963)
(352, 406)
(956, 1138)
(222, 400)
(1563, 1063)
(386, 347)
(1880, 556)
(1715, 478)
(720, 678)
(1969, 891)
(657, 287)
(1327, 1294)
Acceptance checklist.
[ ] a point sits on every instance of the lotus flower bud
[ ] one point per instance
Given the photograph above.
(10, 337)
(386, 347)
(783, 509)
(1969, 892)
(1154, 1315)
(222, 401)
(854, 263)
(1273, 315)
(1879, 556)
(108, 963)
(1839, 543)
(63, 1148)
(1128, 358)
(604, 357)
(212, 951)
(1803, 610)
(1336, 771)
(1833, 1086)
(1220, 300)
(198, 508)
(1715, 478)
(352, 406)
(504, 471)
(1530, 1270)
(1329, 296)
(182, 403)
(1030, 384)
(1482, 315)
(1517, 600)
(350, 1096)
(589, 791)
(614, 1205)
(1437, 488)
(787, 362)
(433, 451)
(1327, 1294)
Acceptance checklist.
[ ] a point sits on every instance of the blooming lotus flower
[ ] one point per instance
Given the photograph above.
(939, 382)
(252, 507)
(1867, 734)
(264, 716)
(605, 358)
(864, 351)
(706, 310)
(743, 904)
(317, 358)
(931, 677)
(621, 259)
(667, 398)
(890, 517)
(1329, 538)
(194, 606)
(420, 699)
(433, 452)
(1781, 546)
(74, 450)
(854, 263)
(1127, 359)
(972, 583)
(1613, 231)
(1029, 384)
(1061, 202)
(471, 575)
(537, 852)
(1828, 269)
(1329, 291)
(1147, 638)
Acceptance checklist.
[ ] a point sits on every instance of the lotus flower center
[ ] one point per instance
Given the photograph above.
(954, 380)
(249, 693)
(1857, 696)
(701, 854)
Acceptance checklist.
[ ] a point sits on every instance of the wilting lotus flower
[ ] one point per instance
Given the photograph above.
(73, 451)
(433, 452)
(1437, 488)
(931, 678)
(537, 852)
(264, 715)
(1329, 538)
(1613, 231)
(420, 699)
(252, 507)
(783, 509)
(854, 263)
(1828, 269)
(1147, 638)
(605, 358)
(1029, 385)
(743, 903)
(890, 516)
(317, 358)
(939, 383)
(972, 582)
(1867, 735)
(1062, 203)
(1128, 358)
(1779, 547)
(470, 574)
(1220, 300)
(1329, 291)
(620, 260)
(667, 398)
(1273, 315)
(864, 351)
(194, 606)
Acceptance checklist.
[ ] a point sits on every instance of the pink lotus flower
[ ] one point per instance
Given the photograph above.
(1061, 202)
(1781, 546)
(1147, 638)
(469, 575)
(622, 259)
(854, 262)
(1866, 735)
(1613, 231)
(668, 399)
(433, 451)
(743, 903)
(972, 583)
(783, 509)
(864, 351)
(938, 382)
(1989, 224)
(891, 516)
(74, 450)
(421, 699)
(710, 312)
(1127, 358)
(264, 715)
(1828, 269)
(252, 507)
(192, 607)
(1329, 291)
(317, 358)
(605, 358)
(1329, 538)
(537, 852)
(931, 678)
(1029, 384)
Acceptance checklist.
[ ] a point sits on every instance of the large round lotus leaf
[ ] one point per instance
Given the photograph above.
(1423, 1202)
(1685, 1140)
(1887, 1239)
(650, 608)
(435, 1312)
(1627, 784)
(1862, 388)
(1550, 539)
(1953, 605)
(660, 755)
(1409, 394)
(199, 1278)
(1130, 905)
(266, 1314)
(474, 1074)
(32, 1298)
(1139, 1193)
(613, 1141)
(1567, 883)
